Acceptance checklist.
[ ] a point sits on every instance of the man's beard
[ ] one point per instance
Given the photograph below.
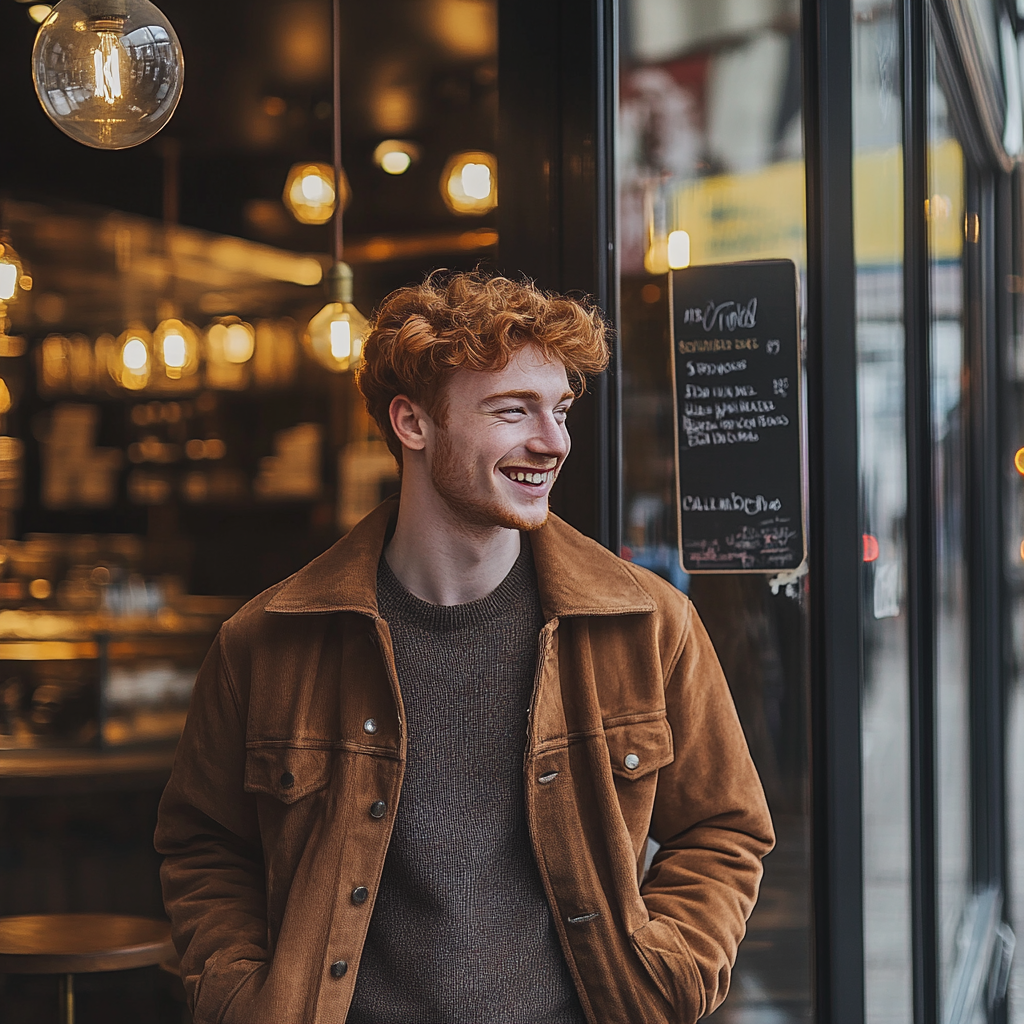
(455, 485)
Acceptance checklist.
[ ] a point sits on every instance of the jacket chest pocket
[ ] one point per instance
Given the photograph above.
(286, 773)
(637, 749)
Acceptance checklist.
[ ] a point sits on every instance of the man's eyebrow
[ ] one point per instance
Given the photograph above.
(524, 396)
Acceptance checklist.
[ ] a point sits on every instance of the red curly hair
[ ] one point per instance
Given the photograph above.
(422, 334)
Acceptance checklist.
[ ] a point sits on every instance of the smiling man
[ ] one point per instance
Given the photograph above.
(418, 777)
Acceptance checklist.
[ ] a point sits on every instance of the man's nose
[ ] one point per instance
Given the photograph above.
(550, 438)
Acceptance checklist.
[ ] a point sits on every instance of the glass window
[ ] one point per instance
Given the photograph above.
(710, 144)
(1013, 575)
(881, 393)
(949, 438)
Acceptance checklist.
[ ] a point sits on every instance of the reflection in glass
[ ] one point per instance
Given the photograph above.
(881, 395)
(711, 170)
(949, 425)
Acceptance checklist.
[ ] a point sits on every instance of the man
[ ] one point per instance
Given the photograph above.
(418, 776)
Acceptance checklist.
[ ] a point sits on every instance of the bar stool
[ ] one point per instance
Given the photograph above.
(70, 944)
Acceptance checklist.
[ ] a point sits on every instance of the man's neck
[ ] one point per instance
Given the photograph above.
(443, 561)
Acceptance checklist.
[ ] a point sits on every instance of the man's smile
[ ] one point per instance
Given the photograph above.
(526, 475)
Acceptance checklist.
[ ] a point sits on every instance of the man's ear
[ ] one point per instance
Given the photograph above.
(410, 422)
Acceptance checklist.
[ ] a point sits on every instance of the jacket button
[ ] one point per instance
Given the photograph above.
(378, 809)
(338, 968)
(631, 761)
(360, 894)
(287, 780)
(370, 726)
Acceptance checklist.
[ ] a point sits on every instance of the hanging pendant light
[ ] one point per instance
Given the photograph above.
(335, 335)
(13, 281)
(108, 73)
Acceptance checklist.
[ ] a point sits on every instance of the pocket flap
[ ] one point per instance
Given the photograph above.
(288, 773)
(637, 748)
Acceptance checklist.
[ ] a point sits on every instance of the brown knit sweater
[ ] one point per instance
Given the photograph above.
(461, 930)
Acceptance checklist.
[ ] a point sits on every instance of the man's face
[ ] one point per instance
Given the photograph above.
(499, 452)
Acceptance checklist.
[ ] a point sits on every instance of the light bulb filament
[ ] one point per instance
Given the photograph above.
(476, 181)
(175, 354)
(8, 281)
(107, 62)
(341, 339)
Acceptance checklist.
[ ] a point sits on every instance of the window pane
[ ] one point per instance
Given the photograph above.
(710, 144)
(949, 429)
(878, 238)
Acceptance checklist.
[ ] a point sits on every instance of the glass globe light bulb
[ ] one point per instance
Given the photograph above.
(108, 73)
(336, 334)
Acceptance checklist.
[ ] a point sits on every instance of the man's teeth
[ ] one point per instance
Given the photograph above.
(529, 478)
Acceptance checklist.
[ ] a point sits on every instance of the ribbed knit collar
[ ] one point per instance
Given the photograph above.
(394, 600)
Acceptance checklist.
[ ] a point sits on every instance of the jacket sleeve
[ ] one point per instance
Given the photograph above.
(712, 821)
(213, 875)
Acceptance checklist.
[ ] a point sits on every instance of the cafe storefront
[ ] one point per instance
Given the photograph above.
(876, 145)
(147, 489)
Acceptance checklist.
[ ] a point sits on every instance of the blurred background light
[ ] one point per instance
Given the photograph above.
(310, 195)
(469, 182)
(396, 156)
(678, 250)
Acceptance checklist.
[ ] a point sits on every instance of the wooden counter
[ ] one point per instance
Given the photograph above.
(44, 772)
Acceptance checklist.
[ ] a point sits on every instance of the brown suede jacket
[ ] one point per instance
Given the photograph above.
(281, 803)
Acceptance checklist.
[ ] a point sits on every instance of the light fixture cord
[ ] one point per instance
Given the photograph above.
(339, 234)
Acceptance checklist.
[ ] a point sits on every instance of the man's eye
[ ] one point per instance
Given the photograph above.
(506, 412)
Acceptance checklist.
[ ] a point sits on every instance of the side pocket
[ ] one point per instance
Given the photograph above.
(668, 960)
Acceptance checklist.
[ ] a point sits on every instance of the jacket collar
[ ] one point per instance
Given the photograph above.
(575, 575)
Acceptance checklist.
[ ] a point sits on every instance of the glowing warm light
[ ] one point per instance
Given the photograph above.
(1018, 461)
(39, 12)
(8, 281)
(678, 250)
(341, 339)
(134, 355)
(175, 354)
(310, 195)
(476, 181)
(335, 336)
(396, 163)
(239, 343)
(5, 397)
(107, 58)
(469, 183)
(108, 73)
(395, 156)
(177, 345)
(1022, 550)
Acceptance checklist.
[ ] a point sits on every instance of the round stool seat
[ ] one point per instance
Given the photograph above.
(81, 943)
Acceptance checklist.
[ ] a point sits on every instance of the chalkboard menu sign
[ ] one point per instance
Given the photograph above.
(736, 375)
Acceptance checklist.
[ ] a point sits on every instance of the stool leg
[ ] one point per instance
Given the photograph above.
(67, 999)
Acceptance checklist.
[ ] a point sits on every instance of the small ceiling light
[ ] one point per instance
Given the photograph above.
(177, 348)
(39, 12)
(678, 250)
(396, 156)
(469, 183)
(108, 73)
(310, 195)
(134, 345)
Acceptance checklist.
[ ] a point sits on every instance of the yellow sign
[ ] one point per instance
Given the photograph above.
(761, 215)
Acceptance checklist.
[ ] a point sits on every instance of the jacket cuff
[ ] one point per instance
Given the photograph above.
(226, 990)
